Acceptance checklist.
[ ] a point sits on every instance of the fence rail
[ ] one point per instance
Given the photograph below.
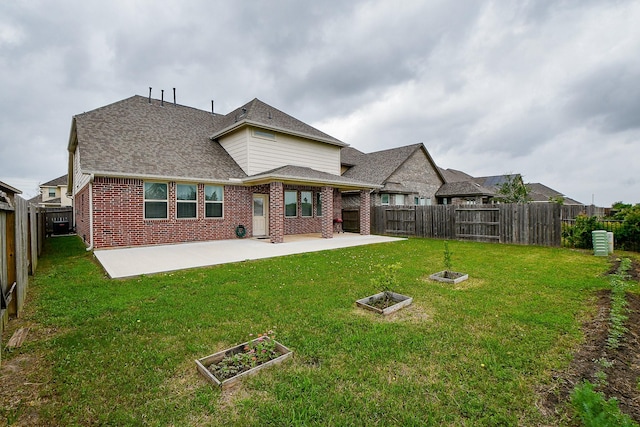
(527, 224)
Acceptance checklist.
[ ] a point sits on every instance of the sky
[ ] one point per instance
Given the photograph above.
(549, 89)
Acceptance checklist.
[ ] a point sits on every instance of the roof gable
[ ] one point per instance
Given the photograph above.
(262, 115)
(378, 166)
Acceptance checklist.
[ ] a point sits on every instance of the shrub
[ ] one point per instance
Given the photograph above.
(595, 411)
(578, 235)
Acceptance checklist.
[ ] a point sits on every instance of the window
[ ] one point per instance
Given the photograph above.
(306, 203)
(213, 201)
(384, 199)
(52, 192)
(318, 204)
(290, 203)
(187, 199)
(155, 200)
(428, 201)
(416, 200)
(264, 134)
(400, 199)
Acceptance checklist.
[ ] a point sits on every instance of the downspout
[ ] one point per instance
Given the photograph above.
(90, 248)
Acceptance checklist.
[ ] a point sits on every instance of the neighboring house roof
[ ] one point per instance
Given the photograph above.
(542, 193)
(453, 175)
(494, 182)
(377, 167)
(61, 180)
(463, 189)
(259, 114)
(134, 137)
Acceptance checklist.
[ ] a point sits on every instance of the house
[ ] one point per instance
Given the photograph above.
(405, 175)
(143, 171)
(462, 188)
(53, 194)
(542, 194)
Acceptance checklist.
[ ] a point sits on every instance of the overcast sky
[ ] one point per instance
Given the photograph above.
(546, 88)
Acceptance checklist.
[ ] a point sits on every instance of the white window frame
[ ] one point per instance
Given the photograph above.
(382, 197)
(285, 203)
(145, 200)
(302, 194)
(212, 202)
(397, 199)
(186, 201)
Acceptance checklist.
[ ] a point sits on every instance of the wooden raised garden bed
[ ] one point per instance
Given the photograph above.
(449, 276)
(205, 364)
(385, 303)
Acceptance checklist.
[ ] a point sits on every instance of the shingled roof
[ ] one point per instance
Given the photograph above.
(463, 189)
(377, 167)
(300, 174)
(61, 180)
(263, 115)
(135, 137)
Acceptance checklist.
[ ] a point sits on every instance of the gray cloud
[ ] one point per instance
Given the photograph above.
(487, 86)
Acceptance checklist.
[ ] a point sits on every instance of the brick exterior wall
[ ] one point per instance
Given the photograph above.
(81, 215)
(365, 212)
(276, 212)
(327, 206)
(118, 212)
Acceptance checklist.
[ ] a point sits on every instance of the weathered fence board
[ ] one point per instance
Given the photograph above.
(526, 224)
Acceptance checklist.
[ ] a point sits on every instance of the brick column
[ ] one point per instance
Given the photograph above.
(327, 209)
(276, 212)
(365, 212)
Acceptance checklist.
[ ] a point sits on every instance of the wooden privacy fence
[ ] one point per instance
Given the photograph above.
(21, 236)
(526, 224)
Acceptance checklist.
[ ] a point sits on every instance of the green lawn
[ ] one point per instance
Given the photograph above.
(121, 352)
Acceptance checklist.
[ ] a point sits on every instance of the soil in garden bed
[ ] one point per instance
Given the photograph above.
(383, 302)
(622, 376)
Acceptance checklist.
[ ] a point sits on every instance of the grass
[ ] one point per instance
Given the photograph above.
(121, 352)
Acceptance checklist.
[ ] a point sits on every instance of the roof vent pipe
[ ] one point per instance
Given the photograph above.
(162, 97)
(174, 96)
(212, 107)
(149, 94)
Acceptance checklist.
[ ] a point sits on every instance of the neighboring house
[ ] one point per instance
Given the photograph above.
(53, 194)
(541, 193)
(144, 171)
(462, 188)
(407, 176)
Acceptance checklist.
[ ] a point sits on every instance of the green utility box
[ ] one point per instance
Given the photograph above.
(600, 242)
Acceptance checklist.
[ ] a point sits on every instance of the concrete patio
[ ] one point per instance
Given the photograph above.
(128, 262)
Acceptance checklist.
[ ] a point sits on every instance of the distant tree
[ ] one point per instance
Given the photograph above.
(557, 199)
(513, 190)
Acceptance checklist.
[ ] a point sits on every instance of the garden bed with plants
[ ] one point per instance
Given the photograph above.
(226, 367)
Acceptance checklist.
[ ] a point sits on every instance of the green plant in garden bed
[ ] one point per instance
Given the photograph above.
(121, 352)
(256, 352)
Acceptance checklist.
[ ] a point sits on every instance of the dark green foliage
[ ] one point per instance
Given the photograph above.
(513, 190)
(578, 235)
(595, 411)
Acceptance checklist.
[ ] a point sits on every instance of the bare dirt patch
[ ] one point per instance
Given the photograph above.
(623, 374)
